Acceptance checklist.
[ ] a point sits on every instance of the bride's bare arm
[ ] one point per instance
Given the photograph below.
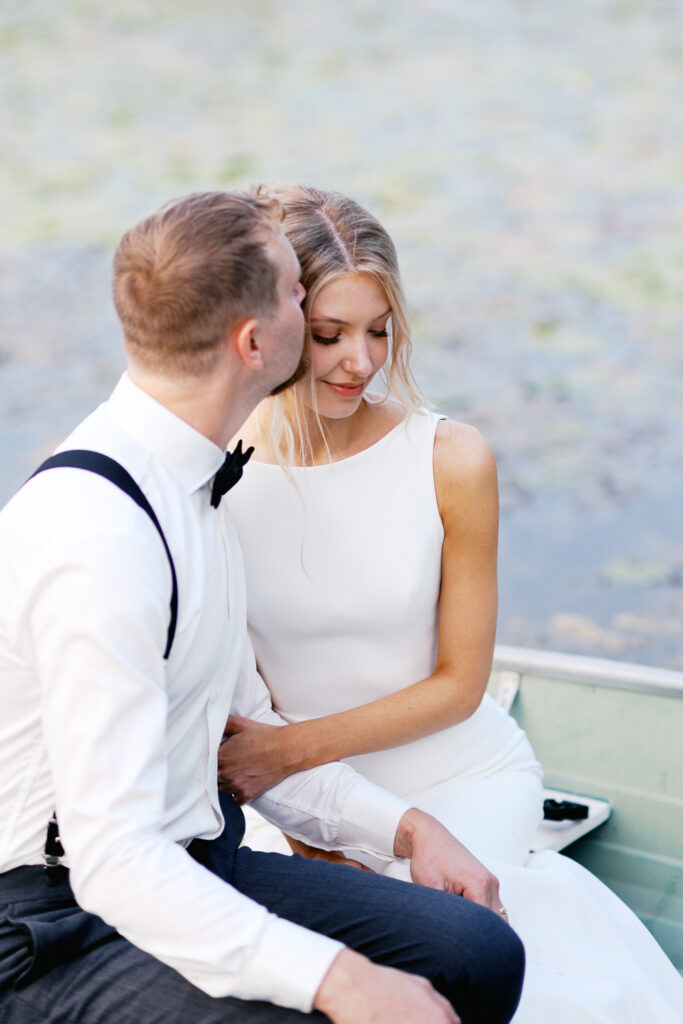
(256, 756)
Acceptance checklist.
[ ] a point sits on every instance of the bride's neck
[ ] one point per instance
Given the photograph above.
(336, 438)
(324, 438)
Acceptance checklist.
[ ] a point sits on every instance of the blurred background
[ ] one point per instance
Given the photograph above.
(527, 157)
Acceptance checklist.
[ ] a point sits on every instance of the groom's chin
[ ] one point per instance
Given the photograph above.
(300, 372)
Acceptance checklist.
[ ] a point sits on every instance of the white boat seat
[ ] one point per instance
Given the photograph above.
(555, 835)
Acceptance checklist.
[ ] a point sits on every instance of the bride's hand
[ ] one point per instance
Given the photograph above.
(252, 759)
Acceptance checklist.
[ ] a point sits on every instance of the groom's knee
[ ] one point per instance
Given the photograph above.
(477, 961)
(496, 988)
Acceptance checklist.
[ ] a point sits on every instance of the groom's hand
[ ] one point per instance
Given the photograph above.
(356, 991)
(439, 861)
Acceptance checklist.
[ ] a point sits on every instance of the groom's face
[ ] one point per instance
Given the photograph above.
(285, 326)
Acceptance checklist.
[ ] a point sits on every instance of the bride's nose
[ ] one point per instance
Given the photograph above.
(357, 358)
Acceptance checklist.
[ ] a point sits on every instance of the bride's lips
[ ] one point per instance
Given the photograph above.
(346, 390)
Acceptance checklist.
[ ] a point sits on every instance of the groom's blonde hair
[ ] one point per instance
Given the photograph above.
(185, 275)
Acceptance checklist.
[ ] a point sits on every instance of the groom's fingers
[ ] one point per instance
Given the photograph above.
(489, 897)
(483, 889)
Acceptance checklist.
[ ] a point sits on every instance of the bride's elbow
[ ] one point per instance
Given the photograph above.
(462, 700)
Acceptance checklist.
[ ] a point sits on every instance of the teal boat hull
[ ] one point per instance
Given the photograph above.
(614, 731)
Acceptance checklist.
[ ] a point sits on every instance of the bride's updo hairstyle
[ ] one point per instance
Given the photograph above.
(333, 235)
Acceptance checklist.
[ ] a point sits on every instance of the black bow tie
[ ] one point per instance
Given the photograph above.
(229, 473)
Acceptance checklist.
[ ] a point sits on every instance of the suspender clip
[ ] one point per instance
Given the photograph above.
(53, 852)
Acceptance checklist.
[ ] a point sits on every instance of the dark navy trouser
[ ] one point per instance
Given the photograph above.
(60, 965)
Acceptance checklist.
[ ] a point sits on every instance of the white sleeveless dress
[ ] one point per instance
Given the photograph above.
(343, 574)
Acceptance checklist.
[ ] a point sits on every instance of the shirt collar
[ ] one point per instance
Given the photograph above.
(186, 453)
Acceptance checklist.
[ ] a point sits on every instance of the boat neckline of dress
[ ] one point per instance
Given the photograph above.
(339, 462)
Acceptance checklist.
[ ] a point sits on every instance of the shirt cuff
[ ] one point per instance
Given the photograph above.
(370, 818)
(288, 966)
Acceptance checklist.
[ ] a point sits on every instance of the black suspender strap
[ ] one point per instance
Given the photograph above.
(110, 469)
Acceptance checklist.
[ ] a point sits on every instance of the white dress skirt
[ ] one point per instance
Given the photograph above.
(343, 566)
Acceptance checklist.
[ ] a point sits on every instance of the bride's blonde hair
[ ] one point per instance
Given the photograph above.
(333, 235)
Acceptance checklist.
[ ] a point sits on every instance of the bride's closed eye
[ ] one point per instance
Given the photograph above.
(322, 340)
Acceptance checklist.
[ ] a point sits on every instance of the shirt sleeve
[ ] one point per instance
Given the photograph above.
(331, 806)
(96, 643)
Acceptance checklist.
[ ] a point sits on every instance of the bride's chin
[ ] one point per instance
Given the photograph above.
(327, 409)
(328, 413)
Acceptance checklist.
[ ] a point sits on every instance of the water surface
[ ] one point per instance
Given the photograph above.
(526, 156)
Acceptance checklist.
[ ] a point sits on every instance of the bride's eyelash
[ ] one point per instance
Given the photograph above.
(322, 340)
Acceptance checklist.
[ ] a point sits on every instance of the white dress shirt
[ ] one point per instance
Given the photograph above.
(124, 745)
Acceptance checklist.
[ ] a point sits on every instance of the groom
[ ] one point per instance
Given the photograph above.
(122, 648)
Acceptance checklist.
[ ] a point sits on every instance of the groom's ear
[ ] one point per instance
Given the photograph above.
(244, 337)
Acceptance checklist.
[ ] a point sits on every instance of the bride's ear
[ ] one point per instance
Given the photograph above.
(244, 337)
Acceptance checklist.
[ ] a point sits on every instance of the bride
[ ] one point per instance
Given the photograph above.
(369, 531)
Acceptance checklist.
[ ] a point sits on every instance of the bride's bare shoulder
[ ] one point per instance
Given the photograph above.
(464, 465)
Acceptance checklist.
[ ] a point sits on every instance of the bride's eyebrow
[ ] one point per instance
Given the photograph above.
(321, 318)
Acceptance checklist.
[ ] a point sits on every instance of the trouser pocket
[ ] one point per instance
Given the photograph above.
(34, 940)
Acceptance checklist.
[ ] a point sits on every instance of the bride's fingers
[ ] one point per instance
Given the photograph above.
(226, 787)
(234, 724)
